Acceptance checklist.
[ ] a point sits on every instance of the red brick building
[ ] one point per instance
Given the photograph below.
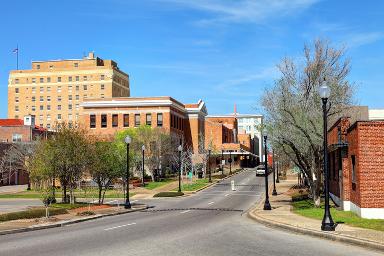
(356, 161)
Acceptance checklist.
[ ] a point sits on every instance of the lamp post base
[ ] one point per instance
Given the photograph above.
(328, 227)
(267, 206)
(274, 193)
(127, 205)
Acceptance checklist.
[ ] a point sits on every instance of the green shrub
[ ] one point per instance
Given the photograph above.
(168, 194)
(31, 214)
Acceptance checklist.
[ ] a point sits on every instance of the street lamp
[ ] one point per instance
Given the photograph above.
(180, 149)
(142, 150)
(209, 166)
(327, 224)
(127, 204)
(274, 193)
(267, 205)
(222, 158)
(230, 162)
(277, 170)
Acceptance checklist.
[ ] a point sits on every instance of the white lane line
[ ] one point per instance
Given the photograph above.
(226, 195)
(120, 226)
(185, 211)
(211, 203)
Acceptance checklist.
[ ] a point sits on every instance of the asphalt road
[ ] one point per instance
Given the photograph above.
(211, 222)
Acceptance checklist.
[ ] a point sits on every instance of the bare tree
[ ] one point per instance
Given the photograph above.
(293, 106)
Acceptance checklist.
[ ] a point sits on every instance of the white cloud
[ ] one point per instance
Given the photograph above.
(358, 39)
(245, 10)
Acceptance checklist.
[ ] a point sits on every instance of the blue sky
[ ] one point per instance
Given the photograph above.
(221, 51)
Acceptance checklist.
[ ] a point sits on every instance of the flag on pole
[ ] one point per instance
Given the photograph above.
(16, 50)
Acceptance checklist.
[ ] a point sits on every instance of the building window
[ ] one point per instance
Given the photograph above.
(59, 79)
(41, 119)
(48, 88)
(102, 87)
(41, 98)
(137, 120)
(41, 89)
(102, 77)
(48, 98)
(77, 97)
(16, 99)
(16, 81)
(34, 80)
(85, 78)
(38, 66)
(102, 96)
(69, 117)
(33, 108)
(48, 126)
(58, 88)
(115, 120)
(126, 120)
(48, 107)
(16, 108)
(48, 117)
(160, 120)
(69, 106)
(48, 79)
(84, 87)
(16, 137)
(41, 79)
(33, 89)
(76, 64)
(69, 88)
(41, 107)
(58, 116)
(16, 90)
(58, 107)
(92, 121)
(77, 78)
(77, 87)
(77, 106)
(148, 119)
(353, 158)
(85, 96)
(69, 79)
(69, 97)
(103, 121)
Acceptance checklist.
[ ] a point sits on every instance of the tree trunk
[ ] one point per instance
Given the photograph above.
(64, 199)
(100, 186)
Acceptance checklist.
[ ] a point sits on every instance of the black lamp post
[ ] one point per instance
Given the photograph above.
(222, 158)
(274, 193)
(209, 166)
(180, 149)
(142, 150)
(127, 204)
(267, 205)
(327, 224)
(230, 163)
(277, 170)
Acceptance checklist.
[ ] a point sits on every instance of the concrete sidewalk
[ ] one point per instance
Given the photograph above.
(282, 216)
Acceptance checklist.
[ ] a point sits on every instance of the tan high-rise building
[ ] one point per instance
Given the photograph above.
(53, 90)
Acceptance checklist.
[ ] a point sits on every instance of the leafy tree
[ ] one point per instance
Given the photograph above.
(106, 166)
(293, 110)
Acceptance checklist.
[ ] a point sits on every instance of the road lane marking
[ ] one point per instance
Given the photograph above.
(211, 203)
(120, 226)
(185, 211)
(227, 195)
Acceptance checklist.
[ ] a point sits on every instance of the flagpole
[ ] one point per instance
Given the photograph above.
(17, 57)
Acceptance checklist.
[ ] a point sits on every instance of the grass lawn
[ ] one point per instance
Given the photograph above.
(307, 209)
(31, 214)
(193, 186)
(112, 193)
(153, 185)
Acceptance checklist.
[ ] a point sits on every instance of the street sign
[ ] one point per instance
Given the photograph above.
(233, 185)
(223, 162)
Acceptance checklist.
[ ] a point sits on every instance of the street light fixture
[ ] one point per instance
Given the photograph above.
(222, 159)
(267, 205)
(127, 204)
(143, 150)
(180, 149)
(209, 166)
(277, 170)
(327, 224)
(274, 193)
(230, 162)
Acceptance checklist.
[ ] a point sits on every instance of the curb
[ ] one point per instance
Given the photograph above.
(66, 223)
(321, 234)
